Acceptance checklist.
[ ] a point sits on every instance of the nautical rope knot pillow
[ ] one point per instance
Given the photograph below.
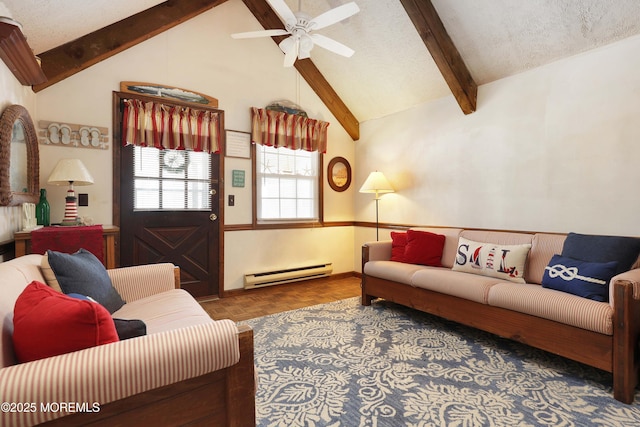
(582, 278)
(489, 259)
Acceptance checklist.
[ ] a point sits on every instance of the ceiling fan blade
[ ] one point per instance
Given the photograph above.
(281, 8)
(292, 52)
(334, 15)
(332, 45)
(261, 33)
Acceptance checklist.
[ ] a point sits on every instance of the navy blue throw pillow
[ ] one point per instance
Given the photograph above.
(130, 328)
(585, 247)
(126, 328)
(82, 273)
(582, 278)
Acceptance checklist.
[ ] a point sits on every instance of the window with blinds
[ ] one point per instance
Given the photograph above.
(288, 184)
(171, 180)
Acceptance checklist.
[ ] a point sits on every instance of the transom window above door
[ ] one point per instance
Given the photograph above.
(171, 179)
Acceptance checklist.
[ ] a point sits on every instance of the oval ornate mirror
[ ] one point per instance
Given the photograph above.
(19, 158)
(339, 174)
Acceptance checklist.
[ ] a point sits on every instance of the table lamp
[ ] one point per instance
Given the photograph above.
(70, 171)
(378, 184)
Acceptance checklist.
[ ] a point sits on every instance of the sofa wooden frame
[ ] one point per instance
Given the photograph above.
(617, 353)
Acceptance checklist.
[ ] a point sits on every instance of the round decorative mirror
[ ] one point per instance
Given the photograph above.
(19, 158)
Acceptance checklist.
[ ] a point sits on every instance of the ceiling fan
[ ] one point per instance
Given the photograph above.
(300, 27)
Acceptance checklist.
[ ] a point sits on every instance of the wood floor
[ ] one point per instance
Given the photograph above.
(275, 299)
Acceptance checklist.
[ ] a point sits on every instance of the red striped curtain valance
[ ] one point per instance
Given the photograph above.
(279, 129)
(151, 124)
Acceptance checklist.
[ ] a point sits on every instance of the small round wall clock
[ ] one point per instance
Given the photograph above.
(339, 174)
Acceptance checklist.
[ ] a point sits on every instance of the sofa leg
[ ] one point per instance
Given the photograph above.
(623, 395)
(625, 377)
(626, 365)
(366, 299)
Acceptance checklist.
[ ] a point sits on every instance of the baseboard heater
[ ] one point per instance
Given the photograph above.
(277, 277)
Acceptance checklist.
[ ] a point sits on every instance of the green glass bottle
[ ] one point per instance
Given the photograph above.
(43, 210)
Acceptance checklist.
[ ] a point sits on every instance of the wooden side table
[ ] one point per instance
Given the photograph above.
(109, 233)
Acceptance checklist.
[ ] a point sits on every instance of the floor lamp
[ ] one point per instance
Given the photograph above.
(378, 184)
(70, 172)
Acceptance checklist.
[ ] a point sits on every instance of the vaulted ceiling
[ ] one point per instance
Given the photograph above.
(407, 51)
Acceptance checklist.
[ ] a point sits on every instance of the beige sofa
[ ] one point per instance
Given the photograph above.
(601, 334)
(187, 369)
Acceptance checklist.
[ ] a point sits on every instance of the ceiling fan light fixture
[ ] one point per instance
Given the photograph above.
(304, 54)
(306, 44)
(286, 45)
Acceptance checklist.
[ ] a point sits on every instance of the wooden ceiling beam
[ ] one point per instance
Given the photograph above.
(70, 58)
(307, 69)
(445, 54)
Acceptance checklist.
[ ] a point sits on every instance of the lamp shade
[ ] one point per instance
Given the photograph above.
(70, 171)
(376, 183)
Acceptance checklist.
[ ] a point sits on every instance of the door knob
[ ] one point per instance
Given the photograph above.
(212, 192)
(213, 217)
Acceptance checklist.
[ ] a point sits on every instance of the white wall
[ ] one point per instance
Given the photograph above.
(200, 55)
(553, 149)
(254, 252)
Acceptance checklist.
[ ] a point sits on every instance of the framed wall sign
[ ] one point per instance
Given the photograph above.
(237, 178)
(238, 144)
(339, 174)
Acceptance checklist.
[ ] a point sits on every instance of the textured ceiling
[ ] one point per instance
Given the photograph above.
(392, 69)
(50, 23)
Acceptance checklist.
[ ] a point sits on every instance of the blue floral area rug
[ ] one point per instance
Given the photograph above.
(342, 364)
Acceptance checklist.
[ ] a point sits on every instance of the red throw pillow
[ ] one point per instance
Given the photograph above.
(398, 244)
(48, 323)
(424, 248)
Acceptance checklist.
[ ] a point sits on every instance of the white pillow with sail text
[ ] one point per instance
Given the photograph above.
(505, 262)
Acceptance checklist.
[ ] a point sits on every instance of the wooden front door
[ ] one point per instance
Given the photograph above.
(162, 228)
